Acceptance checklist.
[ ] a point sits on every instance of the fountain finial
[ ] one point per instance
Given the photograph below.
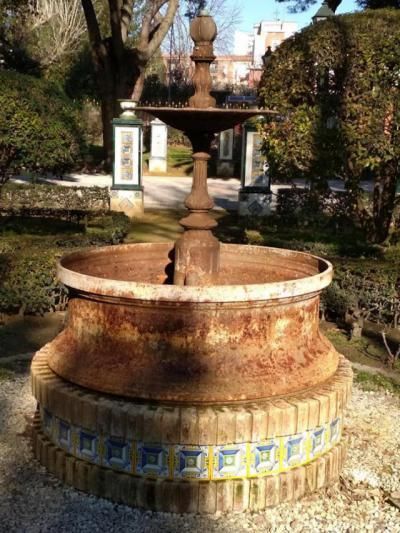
(203, 31)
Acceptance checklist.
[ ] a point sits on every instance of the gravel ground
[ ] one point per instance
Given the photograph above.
(367, 499)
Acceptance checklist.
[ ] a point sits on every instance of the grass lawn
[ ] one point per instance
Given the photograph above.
(155, 226)
(179, 162)
(367, 355)
(29, 333)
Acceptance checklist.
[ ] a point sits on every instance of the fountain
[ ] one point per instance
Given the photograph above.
(192, 377)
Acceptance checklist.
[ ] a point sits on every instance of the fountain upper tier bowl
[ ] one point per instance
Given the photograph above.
(210, 120)
(252, 335)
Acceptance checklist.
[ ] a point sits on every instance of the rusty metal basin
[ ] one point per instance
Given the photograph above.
(254, 335)
(210, 120)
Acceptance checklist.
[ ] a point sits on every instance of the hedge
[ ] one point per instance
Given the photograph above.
(40, 127)
(28, 262)
(335, 86)
(20, 197)
(370, 288)
(366, 277)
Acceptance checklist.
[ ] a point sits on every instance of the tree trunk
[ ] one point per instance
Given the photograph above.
(116, 82)
(139, 86)
(107, 115)
(384, 196)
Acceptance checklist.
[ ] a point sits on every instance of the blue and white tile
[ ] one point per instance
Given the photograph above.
(230, 461)
(264, 457)
(88, 446)
(335, 430)
(152, 460)
(64, 435)
(317, 441)
(295, 450)
(191, 462)
(117, 454)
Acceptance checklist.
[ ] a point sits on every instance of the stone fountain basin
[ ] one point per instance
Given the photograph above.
(133, 334)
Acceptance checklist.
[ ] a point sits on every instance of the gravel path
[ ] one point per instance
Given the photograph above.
(33, 501)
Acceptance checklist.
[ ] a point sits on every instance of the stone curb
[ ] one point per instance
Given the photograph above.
(206, 497)
(191, 425)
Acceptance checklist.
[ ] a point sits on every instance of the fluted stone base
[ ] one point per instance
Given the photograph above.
(190, 458)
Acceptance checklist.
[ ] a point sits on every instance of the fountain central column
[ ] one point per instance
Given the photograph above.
(197, 251)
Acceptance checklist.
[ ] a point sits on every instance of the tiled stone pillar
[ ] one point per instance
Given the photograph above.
(127, 201)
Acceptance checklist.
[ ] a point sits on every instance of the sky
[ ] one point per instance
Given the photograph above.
(254, 11)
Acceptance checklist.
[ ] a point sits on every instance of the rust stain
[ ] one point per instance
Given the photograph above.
(194, 351)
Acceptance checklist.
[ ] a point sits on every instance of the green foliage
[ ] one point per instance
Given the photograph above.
(29, 250)
(29, 285)
(370, 381)
(370, 286)
(13, 52)
(20, 197)
(335, 86)
(80, 80)
(39, 126)
(178, 139)
(366, 277)
(304, 206)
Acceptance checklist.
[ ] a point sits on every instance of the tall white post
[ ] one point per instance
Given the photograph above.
(158, 151)
(225, 164)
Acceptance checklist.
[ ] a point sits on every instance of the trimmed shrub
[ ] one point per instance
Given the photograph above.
(40, 127)
(370, 287)
(336, 88)
(29, 284)
(19, 197)
(366, 277)
(29, 250)
(305, 206)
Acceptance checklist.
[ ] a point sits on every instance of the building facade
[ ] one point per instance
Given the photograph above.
(243, 68)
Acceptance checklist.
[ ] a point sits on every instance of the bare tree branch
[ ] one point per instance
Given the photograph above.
(162, 30)
(126, 19)
(227, 16)
(56, 27)
(391, 356)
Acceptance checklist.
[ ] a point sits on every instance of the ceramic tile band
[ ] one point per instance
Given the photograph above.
(186, 496)
(178, 462)
(191, 424)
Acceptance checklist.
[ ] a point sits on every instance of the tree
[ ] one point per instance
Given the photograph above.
(192, 7)
(40, 128)
(302, 5)
(54, 30)
(297, 6)
(379, 4)
(122, 51)
(13, 53)
(336, 87)
(179, 45)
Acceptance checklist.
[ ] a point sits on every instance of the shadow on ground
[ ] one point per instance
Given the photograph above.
(29, 333)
